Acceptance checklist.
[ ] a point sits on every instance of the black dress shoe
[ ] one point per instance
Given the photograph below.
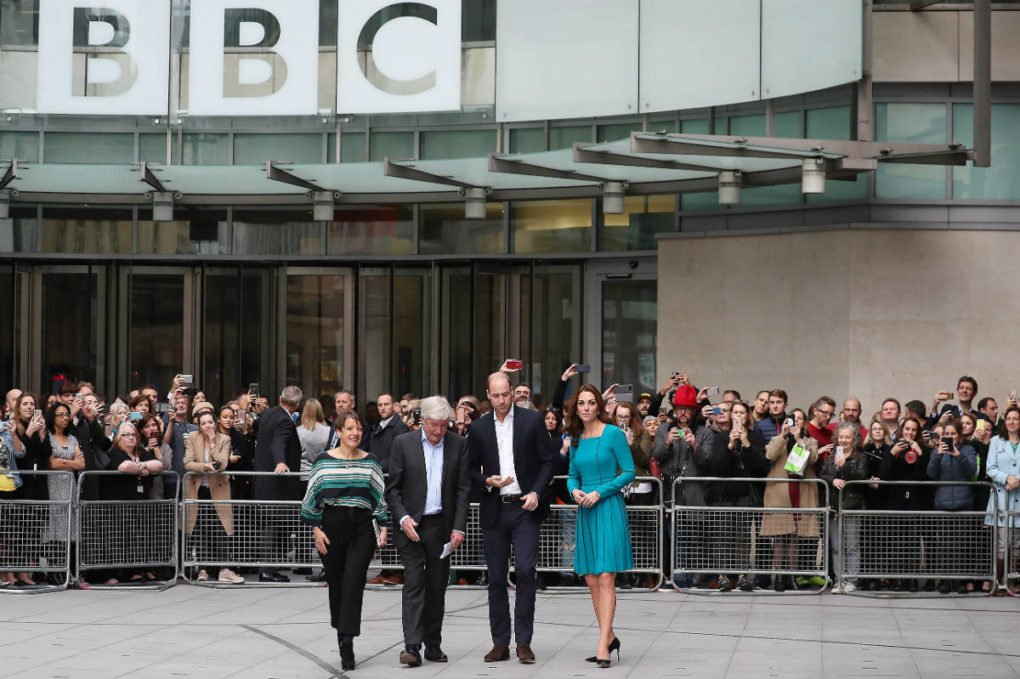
(272, 576)
(435, 654)
(321, 577)
(410, 657)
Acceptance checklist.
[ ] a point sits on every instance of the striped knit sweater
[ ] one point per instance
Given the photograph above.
(344, 483)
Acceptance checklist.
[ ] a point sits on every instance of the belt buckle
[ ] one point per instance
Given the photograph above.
(509, 499)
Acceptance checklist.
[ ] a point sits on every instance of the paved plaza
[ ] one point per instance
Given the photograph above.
(189, 631)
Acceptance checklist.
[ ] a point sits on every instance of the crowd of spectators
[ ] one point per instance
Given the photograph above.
(677, 432)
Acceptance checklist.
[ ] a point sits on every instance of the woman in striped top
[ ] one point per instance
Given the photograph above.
(344, 504)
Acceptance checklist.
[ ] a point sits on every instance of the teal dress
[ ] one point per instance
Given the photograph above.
(602, 464)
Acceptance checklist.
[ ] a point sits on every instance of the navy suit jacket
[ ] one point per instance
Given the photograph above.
(534, 461)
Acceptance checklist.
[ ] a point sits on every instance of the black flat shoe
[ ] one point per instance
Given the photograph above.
(435, 654)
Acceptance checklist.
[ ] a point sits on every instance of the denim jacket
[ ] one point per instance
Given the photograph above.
(9, 457)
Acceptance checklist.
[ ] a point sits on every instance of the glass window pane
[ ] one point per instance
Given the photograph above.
(7, 310)
(694, 126)
(157, 329)
(256, 149)
(457, 144)
(697, 201)
(105, 232)
(94, 148)
(551, 225)
(662, 125)
(69, 327)
(920, 123)
(371, 230)
(787, 124)
(748, 126)
(152, 147)
(1002, 180)
(628, 333)
(564, 137)
(19, 22)
(233, 303)
(352, 147)
(527, 140)
(315, 332)
(197, 232)
(635, 229)
(478, 20)
(834, 123)
(20, 145)
(445, 230)
(412, 332)
(201, 148)
(555, 308)
(620, 131)
(392, 145)
(374, 297)
(276, 232)
(458, 358)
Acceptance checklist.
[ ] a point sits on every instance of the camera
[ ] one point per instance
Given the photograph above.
(416, 416)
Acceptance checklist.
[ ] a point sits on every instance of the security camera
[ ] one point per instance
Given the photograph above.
(633, 264)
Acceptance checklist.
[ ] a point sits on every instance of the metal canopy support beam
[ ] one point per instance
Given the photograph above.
(150, 178)
(982, 83)
(582, 154)
(514, 166)
(277, 174)
(392, 168)
(783, 148)
(10, 175)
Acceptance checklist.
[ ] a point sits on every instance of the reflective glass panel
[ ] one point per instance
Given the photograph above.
(70, 322)
(371, 229)
(919, 123)
(235, 325)
(66, 230)
(457, 144)
(156, 338)
(276, 232)
(628, 332)
(256, 149)
(527, 140)
(105, 148)
(20, 145)
(551, 225)
(316, 332)
(635, 229)
(1002, 180)
(445, 230)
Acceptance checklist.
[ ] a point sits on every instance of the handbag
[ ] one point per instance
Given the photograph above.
(7, 483)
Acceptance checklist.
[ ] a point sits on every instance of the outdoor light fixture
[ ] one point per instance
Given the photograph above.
(162, 206)
(323, 206)
(612, 198)
(729, 187)
(474, 202)
(812, 176)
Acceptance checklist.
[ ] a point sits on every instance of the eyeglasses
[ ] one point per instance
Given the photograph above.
(62, 415)
(827, 413)
(129, 436)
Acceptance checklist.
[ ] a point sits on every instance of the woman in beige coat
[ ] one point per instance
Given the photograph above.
(207, 454)
(788, 529)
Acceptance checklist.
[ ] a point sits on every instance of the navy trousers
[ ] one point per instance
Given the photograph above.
(518, 528)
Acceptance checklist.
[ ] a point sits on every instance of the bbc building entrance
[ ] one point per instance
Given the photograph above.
(398, 196)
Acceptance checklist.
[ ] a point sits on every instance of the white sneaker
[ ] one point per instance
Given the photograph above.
(227, 575)
(202, 576)
(848, 587)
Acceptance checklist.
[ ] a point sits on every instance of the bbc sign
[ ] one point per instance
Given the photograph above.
(247, 57)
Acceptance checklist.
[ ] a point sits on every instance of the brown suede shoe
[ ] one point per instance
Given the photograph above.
(525, 654)
(498, 653)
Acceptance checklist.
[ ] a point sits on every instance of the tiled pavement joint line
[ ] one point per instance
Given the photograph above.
(297, 649)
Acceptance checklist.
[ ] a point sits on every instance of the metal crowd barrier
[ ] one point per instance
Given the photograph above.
(1011, 577)
(266, 535)
(36, 535)
(731, 539)
(126, 536)
(879, 544)
(270, 535)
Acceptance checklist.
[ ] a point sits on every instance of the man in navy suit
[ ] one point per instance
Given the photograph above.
(512, 458)
(427, 492)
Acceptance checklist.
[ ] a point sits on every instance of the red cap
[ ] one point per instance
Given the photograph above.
(685, 396)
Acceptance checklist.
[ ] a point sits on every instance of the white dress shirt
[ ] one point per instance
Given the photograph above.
(505, 442)
(433, 475)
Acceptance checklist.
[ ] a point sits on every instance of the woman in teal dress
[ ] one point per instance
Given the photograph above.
(601, 466)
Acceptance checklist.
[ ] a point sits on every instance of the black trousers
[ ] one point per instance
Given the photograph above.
(423, 600)
(519, 528)
(351, 545)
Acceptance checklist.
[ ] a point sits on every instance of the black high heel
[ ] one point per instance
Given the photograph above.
(347, 655)
(603, 663)
(614, 645)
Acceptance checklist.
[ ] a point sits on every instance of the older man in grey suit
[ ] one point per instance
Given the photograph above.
(427, 491)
